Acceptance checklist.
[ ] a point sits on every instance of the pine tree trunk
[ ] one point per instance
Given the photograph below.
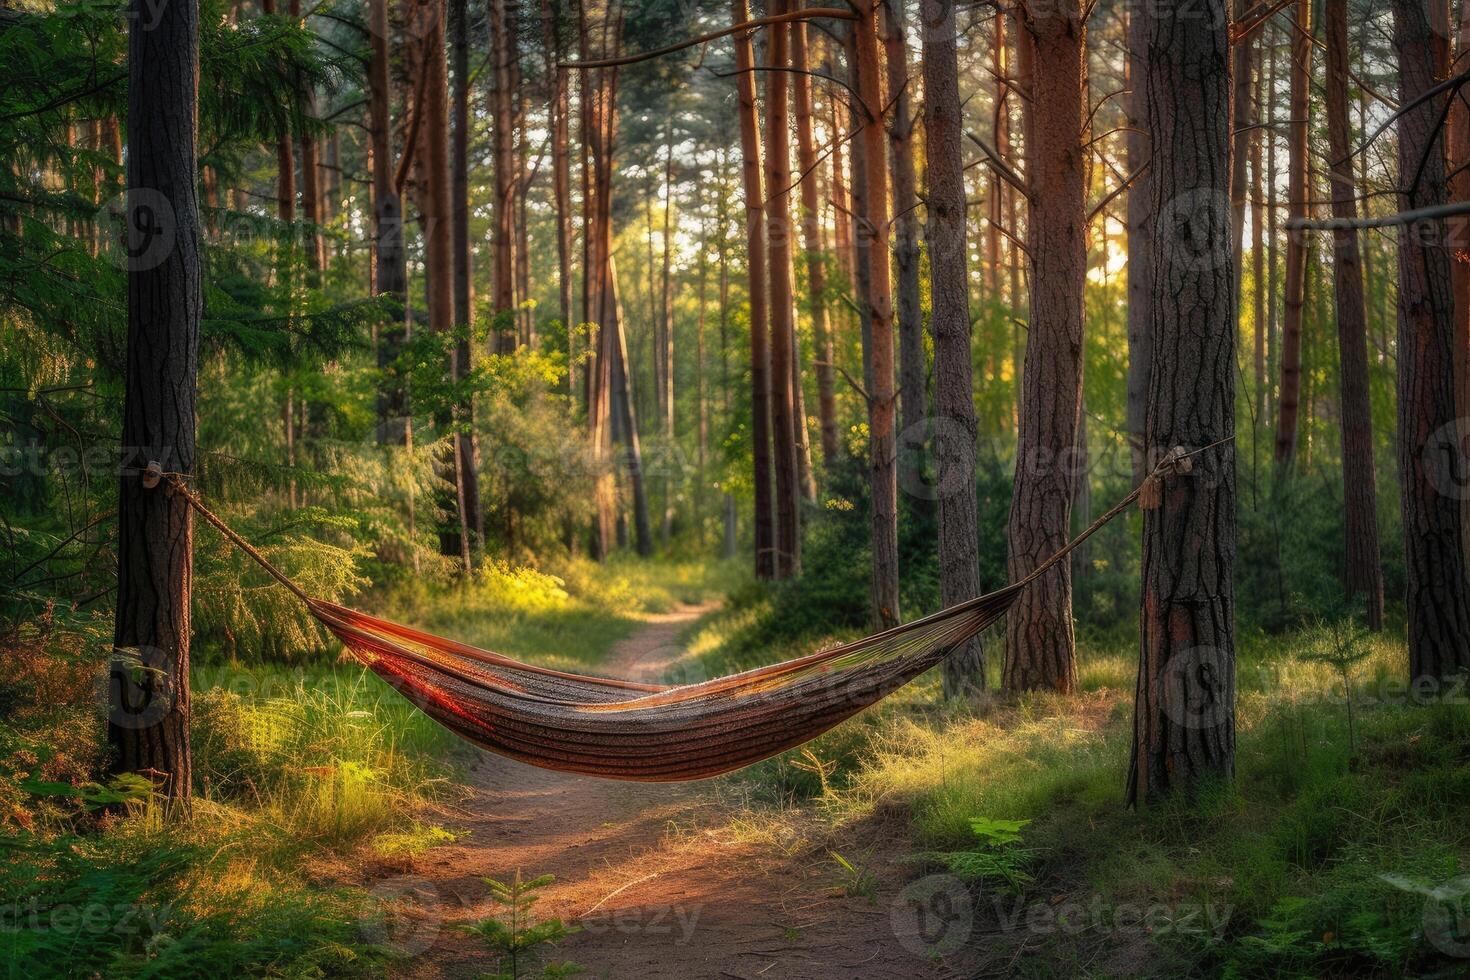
(1258, 266)
(503, 153)
(666, 317)
(949, 321)
(433, 159)
(913, 375)
(811, 226)
(873, 244)
(1000, 128)
(311, 178)
(561, 180)
(1429, 432)
(1040, 647)
(148, 690)
(1364, 567)
(1184, 714)
(391, 273)
(1140, 221)
(1269, 403)
(1459, 237)
(1287, 421)
(779, 237)
(1240, 110)
(756, 266)
(466, 452)
(622, 394)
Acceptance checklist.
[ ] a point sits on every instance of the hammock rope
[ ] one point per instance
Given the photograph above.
(620, 729)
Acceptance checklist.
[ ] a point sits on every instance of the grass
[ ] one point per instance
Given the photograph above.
(1317, 860)
(570, 619)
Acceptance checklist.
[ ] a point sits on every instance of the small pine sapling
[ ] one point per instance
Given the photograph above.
(1341, 646)
(517, 934)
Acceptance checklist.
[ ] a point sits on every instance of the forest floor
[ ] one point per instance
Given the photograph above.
(660, 880)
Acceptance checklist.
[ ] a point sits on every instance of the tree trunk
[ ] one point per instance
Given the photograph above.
(466, 453)
(1430, 451)
(1000, 128)
(1240, 107)
(949, 321)
(913, 375)
(755, 257)
(1040, 647)
(391, 273)
(1364, 568)
(873, 242)
(778, 237)
(811, 226)
(666, 318)
(1258, 268)
(1459, 240)
(1287, 421)
(730, 536)
(1184, 714)
(622, 394)
(148, 689)
(311, 174)
(561, 179)
(1139, 217)
(1273, 266)
(435, 212)
(505, 166)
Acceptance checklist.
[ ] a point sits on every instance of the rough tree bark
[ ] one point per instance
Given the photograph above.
(1459, 232)
(466, 454)
(432, 158)
(1296, 246)
(1240, 108)
(1364, 572)
(782, 308)
(755, 253)
(1184, 713)
(390, 277)
(873, 243)
(912, 372)
(561, 179)
(502, 245)
(1429, 454)
(949, 321)
(1040, 646)
(148, 688)
(1139, 217)
(811, 227)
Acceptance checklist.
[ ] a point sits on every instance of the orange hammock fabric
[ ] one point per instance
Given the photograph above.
(616, 729)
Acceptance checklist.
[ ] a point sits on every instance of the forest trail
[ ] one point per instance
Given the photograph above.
(655, 877)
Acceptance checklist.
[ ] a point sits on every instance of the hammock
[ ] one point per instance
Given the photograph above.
(617, 729)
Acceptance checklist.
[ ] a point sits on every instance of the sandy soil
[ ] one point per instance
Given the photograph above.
(657, 878)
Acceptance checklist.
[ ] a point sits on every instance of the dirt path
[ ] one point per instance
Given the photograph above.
(657, 877)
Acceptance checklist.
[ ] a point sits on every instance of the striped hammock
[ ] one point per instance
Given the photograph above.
(617, 729)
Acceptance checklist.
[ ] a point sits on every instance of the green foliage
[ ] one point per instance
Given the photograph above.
(516, 933)
(997, 860)
(857, 880)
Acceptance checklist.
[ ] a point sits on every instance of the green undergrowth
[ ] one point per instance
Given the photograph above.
(569, 617)
(1322, 858)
